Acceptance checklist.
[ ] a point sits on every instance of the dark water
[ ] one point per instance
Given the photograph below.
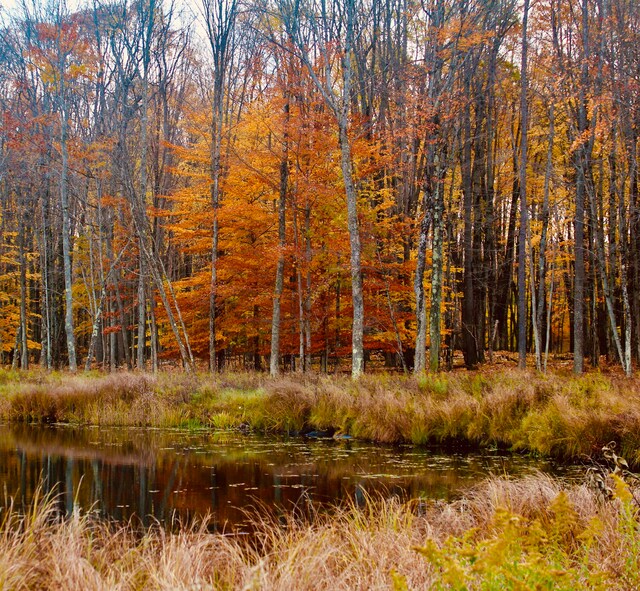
(170, 474)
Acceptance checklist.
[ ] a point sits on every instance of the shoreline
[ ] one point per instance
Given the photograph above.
(553, 415)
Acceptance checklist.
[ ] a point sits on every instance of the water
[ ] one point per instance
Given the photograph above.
(166, 474)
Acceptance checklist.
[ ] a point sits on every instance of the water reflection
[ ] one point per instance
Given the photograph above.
(169, 474)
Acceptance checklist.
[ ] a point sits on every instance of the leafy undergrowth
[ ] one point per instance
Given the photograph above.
(558, 415)
(530, 533)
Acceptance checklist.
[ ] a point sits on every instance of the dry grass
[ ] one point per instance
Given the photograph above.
(354, 548)
(557, 415)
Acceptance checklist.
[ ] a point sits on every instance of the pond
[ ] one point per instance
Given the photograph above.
(168, 475)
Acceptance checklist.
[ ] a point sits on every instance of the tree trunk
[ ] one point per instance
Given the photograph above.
(470, 346)
(274, 362)
(66, 236)
(522, 235)
(302, 297)
(436, 272)
(24, 349)
(307, 295)
(216, 140)
(542, 253)
(220, 18)
(357, 338)
(142, 321)
(420, 356)
(580, 164)
(154, 335)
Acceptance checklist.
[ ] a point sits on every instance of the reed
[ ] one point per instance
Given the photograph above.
(528, 533)
(554, 414)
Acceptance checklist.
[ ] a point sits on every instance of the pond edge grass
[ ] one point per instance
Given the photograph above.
(551, 415)
(532, 532)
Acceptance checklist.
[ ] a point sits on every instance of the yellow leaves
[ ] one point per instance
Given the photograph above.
(580, 141)
(622, 490)
(33, 345)
(48, 76)
(77, 70)
(5, 259)
(564, 527)
(513, 553)
(399, 581)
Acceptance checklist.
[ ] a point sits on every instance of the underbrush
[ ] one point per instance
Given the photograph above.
(531, 533)
(556, 415)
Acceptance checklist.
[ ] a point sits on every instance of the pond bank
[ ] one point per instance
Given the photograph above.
(529, 533)
(556, 415)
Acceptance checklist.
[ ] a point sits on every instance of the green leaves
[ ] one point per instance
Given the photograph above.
(550, 552)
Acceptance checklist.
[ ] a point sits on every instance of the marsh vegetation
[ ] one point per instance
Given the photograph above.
(562, 416)
(531, 533)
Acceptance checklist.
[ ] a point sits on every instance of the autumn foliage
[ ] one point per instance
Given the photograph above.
(130, 98)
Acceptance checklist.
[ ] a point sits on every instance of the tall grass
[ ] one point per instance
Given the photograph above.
(525, 534)
(555, 415)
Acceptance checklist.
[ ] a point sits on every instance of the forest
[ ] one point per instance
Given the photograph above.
(284, 185)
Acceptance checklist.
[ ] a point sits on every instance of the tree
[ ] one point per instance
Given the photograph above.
(337, 24)
(220, 18)
(524, 214)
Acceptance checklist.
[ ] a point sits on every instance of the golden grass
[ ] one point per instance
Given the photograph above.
(565, 536)
(557, 415)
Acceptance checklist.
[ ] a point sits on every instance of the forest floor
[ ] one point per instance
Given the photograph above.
(554, 414)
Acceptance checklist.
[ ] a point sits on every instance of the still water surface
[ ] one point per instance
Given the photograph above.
(168, 474)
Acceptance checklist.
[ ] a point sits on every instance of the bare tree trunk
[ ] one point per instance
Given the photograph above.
(216, 138)
(16, 348)
(542, 253)
(154, 335)
(24, 349)
(274, 362)
(155, 266)
(600, 259)
(97, 318)
(213, 359)
(220, 18)
(142, 191)
(357, 296)
(548, 323)
(469, 333)
(357, 338)
(142, 321)
(534, 308)
(339, 104)
(301, 295)
(420, 355)
(307, 295)
(522, 235)
(45, 354)
(580, 163)
(436, 271)
(623, 256)
(66, 233)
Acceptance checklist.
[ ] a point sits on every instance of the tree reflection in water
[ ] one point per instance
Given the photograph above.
(170, 475)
